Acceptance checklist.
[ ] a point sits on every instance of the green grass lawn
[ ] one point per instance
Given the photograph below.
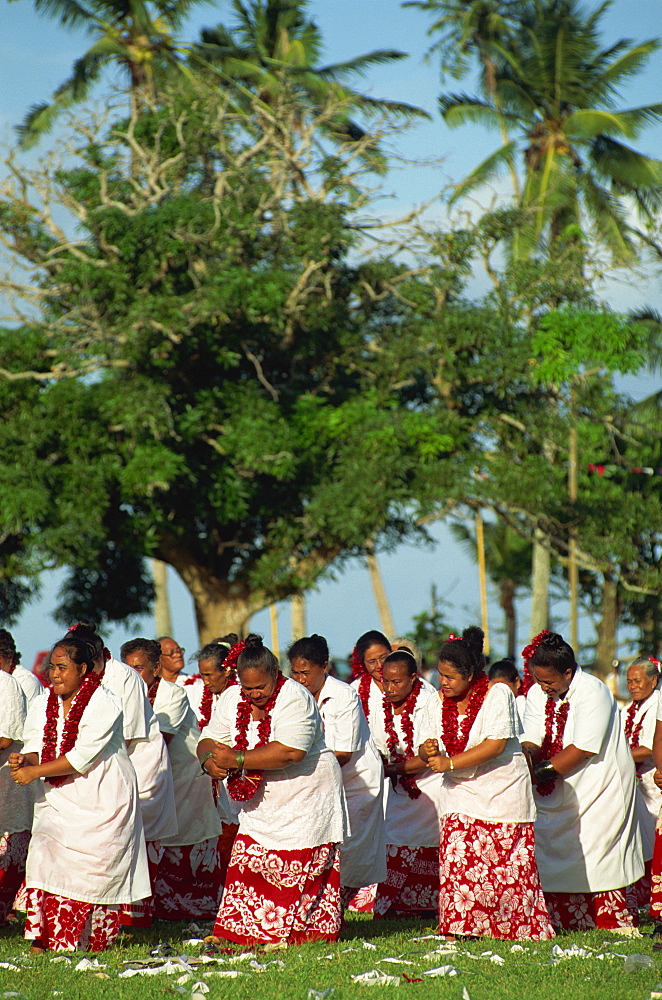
(529, 974)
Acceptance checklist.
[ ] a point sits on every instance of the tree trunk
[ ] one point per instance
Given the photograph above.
(607, 646)
(221, 606)
(162, 619)
(507, 592)
(298, 616)
(379, 591)
(540, 571)
(482, 582)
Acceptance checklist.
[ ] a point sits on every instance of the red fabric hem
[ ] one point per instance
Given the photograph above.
(586, 911)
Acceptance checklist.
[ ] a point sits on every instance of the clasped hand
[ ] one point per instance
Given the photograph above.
(22, 773)
(436, 760)
(222, 761)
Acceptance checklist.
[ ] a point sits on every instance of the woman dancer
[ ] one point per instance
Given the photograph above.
(588, 841)
(489, 879)
(87, 853)
(346, 732)
(283, 882)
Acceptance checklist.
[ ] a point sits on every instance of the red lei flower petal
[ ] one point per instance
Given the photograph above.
(242, 785)
(151, 693)
(70, 731)
(364, 693)
(408, 782)
(455, 740)
(553, 742)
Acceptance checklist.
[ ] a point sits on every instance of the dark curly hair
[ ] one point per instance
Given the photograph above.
(465, 653)
(150, 647)
(554, 653)
(313, 648)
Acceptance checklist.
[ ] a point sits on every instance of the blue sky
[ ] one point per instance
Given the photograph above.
(36, 55)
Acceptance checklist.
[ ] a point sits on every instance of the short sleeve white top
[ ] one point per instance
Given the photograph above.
(498, 791)
(588, 838)
(15, 800)
(299, 806)
(29, 682)
(197, 818)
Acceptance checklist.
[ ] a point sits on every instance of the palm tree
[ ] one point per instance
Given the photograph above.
(273, 53)
(557, 88)
(137, 35)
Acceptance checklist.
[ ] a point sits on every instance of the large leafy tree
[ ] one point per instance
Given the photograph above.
(212, 378)
(556, 87)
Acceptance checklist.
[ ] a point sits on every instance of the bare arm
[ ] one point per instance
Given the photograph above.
(343, 756)
(271, 757)
(485, 751)
(641, 754)
(412, 766)
(569, 759)
(5, 743)
(25, 768)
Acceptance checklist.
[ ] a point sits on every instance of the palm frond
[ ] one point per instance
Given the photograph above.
(460, 109)
(485, 171)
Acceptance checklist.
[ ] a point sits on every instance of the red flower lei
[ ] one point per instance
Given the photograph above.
(242, 785)
(207, 703)
(455, 740)
(553, 742)
(356, 666)
(70, 732)
(632, 732)
(151, 692)
(364, 693)
(408, 782)
(528, 680)
(191, 680)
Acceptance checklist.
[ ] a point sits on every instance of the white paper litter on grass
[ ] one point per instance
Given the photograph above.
(86, 964)
(62, 958)
(370, 945)
(517, 947)
(442, 970)
(246, 956)
(262, 967)
(224, 973)
(168, 968)
(192, 942)
(183, 980)
(449, 948)
(9, 965)
(426, 937)
(497, 959)
(200, 987)
(395, 961)
(465, 993)
(375, 977)
(321, 994)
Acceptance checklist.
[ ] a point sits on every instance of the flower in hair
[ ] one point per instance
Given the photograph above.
(652, 659)
(455, 638)
(234, 653)
(537, 640)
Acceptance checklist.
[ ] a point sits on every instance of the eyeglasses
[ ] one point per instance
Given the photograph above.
(377, 662)
(175, 652)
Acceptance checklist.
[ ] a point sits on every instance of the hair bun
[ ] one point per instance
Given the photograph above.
(253, 641)
(474, 637)
(553, 641)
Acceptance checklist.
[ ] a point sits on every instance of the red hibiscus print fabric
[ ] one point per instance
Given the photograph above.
(141, 914)
(280, 896)
(13, 852)
(189, 882)
(490, 885)
(585, 911)
(61, 924)
(411, 888)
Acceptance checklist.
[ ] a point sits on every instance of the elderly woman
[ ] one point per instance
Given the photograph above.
(638, 719)
(588, 841)
(15, 800)
(413, 796)
(188, 882)
(489, 880)
(87, 853)
(266, 738)
(346, 732)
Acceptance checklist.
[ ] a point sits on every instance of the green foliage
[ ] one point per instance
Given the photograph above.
(568, 341)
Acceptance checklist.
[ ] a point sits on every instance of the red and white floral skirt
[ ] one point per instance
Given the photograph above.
(359, 900)
(490, 886)
(141, 913)
(586, 911)
(62, 924)
(639, 893)
(189, 882)
(411, 887)
(280, 896)
(656, 876)
(13, 852)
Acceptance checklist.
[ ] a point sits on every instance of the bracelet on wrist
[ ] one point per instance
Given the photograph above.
(203, 761)
(451, 765)
(544, 771)
(241, 756)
